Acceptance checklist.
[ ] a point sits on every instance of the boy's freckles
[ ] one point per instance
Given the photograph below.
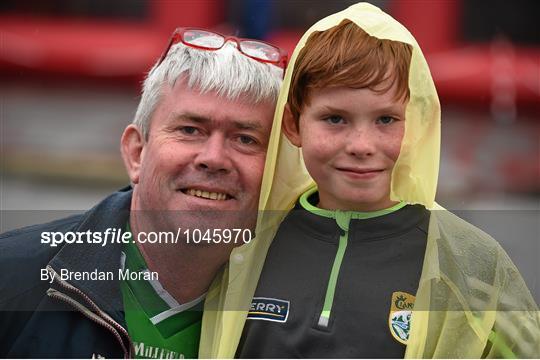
(350, 141)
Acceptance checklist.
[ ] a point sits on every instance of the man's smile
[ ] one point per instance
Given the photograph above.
(212, 195)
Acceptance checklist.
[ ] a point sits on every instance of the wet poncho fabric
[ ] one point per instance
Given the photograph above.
(471, 301)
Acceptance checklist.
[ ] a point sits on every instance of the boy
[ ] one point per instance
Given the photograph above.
(346, 111)
(361, 267)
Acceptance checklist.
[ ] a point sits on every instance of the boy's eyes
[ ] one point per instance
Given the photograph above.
(337, 119)
(334, 119)
(385, 120)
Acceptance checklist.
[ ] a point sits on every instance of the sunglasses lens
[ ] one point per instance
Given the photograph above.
(203, 38)
(260, 50)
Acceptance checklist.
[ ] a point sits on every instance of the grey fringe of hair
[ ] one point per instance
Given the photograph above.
(225, 71)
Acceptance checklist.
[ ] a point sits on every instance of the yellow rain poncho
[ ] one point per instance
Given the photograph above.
(471, 300)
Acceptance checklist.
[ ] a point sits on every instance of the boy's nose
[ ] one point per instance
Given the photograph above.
(360, 143)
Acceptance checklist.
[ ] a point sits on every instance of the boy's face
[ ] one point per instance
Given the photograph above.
(350, 140)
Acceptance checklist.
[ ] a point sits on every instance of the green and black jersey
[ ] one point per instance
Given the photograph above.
(159, 326)
(338, 284)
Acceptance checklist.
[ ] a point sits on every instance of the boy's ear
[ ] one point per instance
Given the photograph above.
(291, 127)
(131, 146)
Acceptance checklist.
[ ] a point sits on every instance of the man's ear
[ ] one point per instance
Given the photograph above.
(132, 144)
(291, 127)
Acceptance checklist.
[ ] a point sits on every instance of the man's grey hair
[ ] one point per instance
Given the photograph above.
(226, 71)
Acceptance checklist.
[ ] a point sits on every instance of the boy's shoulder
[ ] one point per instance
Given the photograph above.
(464, 247)
(461, 233)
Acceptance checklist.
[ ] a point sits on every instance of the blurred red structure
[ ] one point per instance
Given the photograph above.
(112, 49)
(496, 73)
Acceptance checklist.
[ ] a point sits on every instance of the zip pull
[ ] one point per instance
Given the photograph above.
(343, 219)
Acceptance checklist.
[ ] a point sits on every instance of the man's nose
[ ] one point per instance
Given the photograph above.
(214, 156)
(360, 142)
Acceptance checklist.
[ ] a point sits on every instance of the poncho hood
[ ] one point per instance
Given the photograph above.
(414, 178)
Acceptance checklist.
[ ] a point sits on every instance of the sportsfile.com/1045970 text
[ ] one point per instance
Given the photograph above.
(117, 236)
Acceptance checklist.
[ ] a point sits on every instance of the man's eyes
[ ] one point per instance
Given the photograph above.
(189, 130)
(240, 138)
(247, 140)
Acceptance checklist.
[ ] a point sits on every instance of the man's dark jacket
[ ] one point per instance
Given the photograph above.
(80, 319)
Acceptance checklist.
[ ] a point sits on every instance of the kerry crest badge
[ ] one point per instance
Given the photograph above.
(399, 319)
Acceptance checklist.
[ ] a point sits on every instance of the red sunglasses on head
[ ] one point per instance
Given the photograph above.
(211, 40)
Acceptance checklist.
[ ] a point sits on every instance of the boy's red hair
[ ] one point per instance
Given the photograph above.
(346, 55)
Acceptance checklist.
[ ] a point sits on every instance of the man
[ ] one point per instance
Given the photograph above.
(128, 277)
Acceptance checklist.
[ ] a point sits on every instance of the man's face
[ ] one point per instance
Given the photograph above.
(350, 141)
(204, 156)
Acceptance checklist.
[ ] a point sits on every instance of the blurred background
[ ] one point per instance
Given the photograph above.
(70, 74)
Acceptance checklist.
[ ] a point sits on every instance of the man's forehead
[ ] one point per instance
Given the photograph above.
(180, 102)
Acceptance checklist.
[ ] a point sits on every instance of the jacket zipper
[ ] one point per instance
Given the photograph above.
(89, 314)
(101, 318)
(343, 220)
